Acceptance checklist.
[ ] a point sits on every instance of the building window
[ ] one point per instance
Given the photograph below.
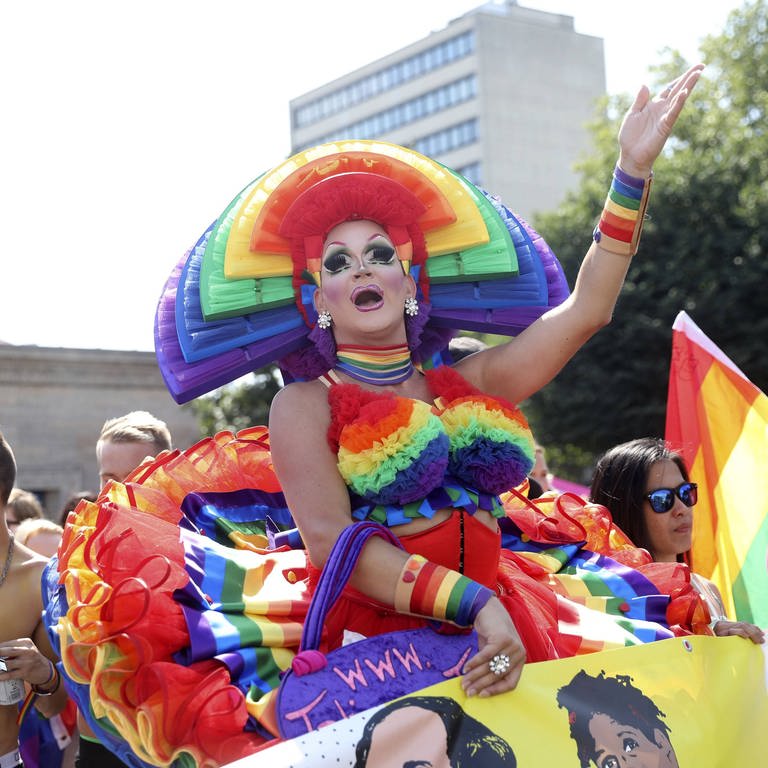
(401, 114)
(448, 139)
(390, 77)
(472, 173)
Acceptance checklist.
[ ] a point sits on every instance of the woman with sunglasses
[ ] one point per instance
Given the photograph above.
(646, 487)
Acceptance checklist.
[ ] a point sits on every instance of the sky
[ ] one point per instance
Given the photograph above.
(128, 127)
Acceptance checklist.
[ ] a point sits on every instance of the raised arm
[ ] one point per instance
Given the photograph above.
(522, 366)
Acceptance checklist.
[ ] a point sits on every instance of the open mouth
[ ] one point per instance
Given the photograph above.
(367, 297)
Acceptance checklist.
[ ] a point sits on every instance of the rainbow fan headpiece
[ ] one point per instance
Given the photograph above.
(241, 297)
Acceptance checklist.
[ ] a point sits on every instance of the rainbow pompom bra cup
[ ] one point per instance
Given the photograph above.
(241, 297)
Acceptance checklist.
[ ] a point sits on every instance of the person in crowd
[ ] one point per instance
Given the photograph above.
(647, 489)
(25, 651)
(22, 505)
(360, 299)
(123, 444)
(46, 742)
(125, 441)
(464, 346)
(540, 472)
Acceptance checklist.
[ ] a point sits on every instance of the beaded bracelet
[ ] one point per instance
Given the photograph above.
(621, 221)
(39, 690)
(430, 590)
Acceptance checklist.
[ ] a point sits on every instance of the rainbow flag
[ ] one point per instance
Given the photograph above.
(719, 421)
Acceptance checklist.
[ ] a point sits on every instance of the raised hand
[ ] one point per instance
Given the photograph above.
(649, 122)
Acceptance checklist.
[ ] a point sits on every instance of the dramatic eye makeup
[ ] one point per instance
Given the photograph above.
(381, 253)
(378, 250)
(336, 260)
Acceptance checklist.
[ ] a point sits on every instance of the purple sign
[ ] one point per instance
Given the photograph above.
(367, 673)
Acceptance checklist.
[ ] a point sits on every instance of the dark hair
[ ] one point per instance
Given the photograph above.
(534, 488)
(585, 696)
(7, 470)
(619, 483)
(72, 502)
(468, 741)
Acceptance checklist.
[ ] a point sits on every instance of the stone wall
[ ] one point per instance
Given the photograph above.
(53, 402)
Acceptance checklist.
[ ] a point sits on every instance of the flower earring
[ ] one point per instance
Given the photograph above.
(411, 307)
(324, 319)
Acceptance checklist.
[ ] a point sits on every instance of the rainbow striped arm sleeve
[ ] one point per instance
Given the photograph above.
(433, 591)
(621, 221)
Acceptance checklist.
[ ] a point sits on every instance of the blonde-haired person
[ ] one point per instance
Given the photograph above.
(22, 505)
(123, 444)
(125, 441)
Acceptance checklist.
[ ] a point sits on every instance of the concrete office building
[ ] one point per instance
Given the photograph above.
(502, 94)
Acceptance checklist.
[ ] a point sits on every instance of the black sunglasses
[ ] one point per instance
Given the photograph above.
(663, 499)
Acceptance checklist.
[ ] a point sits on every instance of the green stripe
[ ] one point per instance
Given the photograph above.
(232, 588)
(624, 201)
(454, 600)
(248, 630)
(750, 593)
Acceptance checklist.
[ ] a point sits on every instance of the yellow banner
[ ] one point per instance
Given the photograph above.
(693, 702)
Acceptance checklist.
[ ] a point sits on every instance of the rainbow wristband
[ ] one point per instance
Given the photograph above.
(621, 221)
(430, 590)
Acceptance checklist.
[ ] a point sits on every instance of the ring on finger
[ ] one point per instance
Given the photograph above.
(499, 664)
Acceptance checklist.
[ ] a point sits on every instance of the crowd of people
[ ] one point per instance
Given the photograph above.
(53, 734)
(421, 453)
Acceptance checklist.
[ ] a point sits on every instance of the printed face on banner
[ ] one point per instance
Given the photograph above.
(615, 724)
(432, 731)
(617, 744)
(409, 737)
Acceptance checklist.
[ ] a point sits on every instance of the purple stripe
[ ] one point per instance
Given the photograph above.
(624, 177)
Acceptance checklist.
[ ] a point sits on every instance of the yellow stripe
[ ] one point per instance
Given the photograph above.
(468, 230)
(620, 210)
(444, 592)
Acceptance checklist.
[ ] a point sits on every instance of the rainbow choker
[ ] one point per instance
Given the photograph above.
(375, 365)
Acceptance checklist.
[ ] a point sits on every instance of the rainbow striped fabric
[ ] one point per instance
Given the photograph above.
(719, 421)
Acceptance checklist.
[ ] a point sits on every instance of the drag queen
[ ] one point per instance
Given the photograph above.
(183, 590)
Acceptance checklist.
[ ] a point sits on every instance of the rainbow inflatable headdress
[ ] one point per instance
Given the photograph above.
(242, 296)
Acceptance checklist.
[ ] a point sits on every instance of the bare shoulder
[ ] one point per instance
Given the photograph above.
(21, 599)
(300, 403)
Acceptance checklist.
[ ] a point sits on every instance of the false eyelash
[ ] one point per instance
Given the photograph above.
(335, 262)
(382, 253)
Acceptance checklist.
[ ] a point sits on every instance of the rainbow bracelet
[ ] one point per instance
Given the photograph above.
(433, 591)
(621, 221)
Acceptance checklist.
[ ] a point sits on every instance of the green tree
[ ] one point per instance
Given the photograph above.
(243, 403)
(703, 248)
